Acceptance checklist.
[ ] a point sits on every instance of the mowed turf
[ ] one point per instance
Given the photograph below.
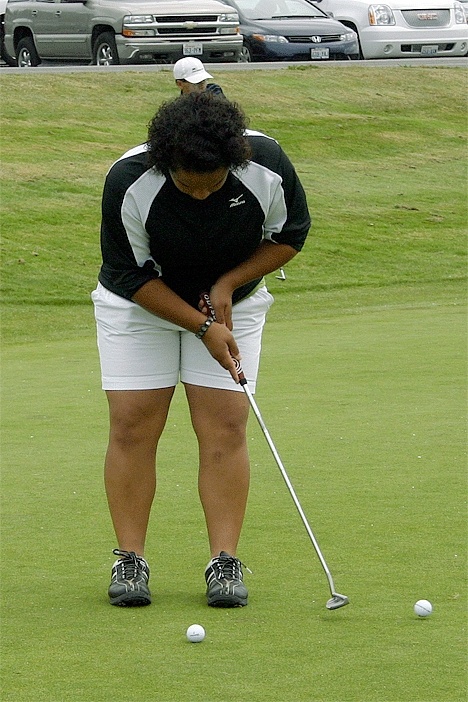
(362, 386)
(367, 411)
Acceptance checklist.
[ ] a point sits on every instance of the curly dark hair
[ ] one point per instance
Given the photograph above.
(198, 132)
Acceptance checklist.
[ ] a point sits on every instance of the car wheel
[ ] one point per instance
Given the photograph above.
(26, 54)
(245, 56)
(105, 50)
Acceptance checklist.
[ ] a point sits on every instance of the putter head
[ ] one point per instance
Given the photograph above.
(337, 601)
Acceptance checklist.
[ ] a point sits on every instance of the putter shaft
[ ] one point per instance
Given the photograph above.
(289, 485)
(336, 601)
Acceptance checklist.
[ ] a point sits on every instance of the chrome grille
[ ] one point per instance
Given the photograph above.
(181, 25)
(427, 18)
(185, 31)
(178, 19)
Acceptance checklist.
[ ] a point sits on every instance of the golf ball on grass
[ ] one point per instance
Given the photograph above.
(195, 633)
(423, 608)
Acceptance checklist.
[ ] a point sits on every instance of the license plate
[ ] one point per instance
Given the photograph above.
(319, 53)
(429, 50)
(193, 49)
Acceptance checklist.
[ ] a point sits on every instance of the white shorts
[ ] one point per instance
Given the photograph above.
(140, 351)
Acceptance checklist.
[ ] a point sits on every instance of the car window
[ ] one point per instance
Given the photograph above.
(266, 9)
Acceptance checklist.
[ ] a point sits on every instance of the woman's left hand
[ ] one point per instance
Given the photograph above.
(221, 301)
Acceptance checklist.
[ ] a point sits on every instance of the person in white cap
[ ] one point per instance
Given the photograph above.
(191, 77)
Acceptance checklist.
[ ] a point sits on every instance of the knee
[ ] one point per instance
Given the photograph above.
(130, 430)
(138, 417)
(224, 435)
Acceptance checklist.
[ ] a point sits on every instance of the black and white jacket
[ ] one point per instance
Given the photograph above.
(151, 229)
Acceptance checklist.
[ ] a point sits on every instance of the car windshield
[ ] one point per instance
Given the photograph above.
(278, 9)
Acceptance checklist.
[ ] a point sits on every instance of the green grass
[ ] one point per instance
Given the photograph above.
(362, 385)
(367, 413)
(382, 154)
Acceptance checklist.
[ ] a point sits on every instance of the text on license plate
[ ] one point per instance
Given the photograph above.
(193, 49)
(320, 53)
(429, 50)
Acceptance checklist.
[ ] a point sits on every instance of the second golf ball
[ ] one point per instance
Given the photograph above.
(195, 633)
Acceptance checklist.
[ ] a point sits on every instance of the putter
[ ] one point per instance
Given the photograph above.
(336, 601)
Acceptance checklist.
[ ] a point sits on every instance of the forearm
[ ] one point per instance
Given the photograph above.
(267, 258)
(158, 298)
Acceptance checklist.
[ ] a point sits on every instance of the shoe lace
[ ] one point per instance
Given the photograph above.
(229, 567)
(129, 563)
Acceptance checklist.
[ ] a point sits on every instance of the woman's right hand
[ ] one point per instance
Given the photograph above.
(221, 344)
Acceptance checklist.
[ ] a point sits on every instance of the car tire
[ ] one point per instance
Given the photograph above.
(26, 54)
(105, 50)
(245, 56)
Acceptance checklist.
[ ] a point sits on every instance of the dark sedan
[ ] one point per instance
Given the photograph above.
(292, 30)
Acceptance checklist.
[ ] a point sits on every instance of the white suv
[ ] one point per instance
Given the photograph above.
(403, 28)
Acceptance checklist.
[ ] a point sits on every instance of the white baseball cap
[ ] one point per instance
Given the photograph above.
(190, 69)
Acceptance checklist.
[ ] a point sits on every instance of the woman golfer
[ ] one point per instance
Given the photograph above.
(204, 205)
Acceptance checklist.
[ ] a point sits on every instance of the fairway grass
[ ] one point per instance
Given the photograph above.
(381, 154)
(366, 410)
(362, 386)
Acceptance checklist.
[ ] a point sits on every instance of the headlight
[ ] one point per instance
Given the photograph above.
(234, 17)
(138, 19)
(460, 17)
(274, 38)
(349, 36)
(380, 15)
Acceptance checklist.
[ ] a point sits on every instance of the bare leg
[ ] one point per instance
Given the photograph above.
(137, 419)
(219, 418)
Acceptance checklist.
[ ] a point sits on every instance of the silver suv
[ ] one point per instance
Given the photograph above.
(403, 28)
(105, 32)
